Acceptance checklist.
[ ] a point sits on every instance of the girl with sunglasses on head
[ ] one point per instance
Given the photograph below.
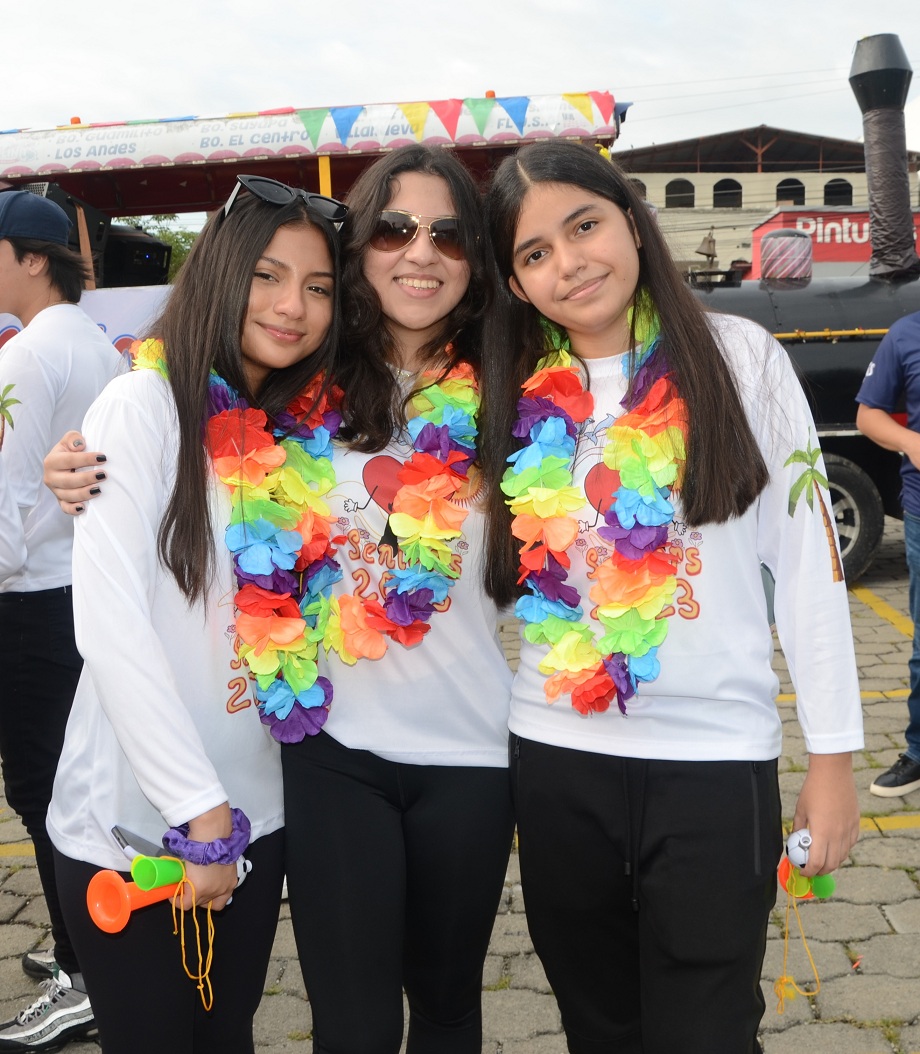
(223, 407)
(654, 457)
(397, 801)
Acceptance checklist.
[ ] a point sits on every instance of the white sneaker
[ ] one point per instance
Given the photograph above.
(60, 1013)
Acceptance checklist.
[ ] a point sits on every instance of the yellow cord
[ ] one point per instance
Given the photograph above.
(785, 986)
(202, 979)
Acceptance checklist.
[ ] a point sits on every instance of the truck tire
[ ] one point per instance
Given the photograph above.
(858, 513)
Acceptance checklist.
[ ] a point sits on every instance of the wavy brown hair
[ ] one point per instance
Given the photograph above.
(374, 403)
(725, 470)
(201, 328)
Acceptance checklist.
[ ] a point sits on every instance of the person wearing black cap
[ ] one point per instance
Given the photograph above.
(50, 372)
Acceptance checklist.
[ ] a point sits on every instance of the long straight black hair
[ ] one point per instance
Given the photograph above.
(725, 470)
(201, 328)
(374, 403)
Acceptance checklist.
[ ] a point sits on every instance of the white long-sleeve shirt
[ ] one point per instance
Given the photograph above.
(55, 367)
(164, 724)
(443, 701)
(714, 699)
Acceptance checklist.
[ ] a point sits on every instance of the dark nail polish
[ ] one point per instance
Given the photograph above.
(79, 508)
(101, 457)
(100, 475)
(95, 490)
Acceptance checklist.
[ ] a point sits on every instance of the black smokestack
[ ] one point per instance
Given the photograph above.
(880, 76)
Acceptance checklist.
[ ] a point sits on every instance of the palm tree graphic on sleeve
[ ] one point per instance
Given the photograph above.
(6, 416)
(810, 483)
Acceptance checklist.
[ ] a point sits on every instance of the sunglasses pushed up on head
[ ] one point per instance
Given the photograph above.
(274, 192)
(395, 230)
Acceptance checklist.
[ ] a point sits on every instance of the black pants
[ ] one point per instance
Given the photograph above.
(394, 876)
(39, 670)
(142, 1000)
(648, 887)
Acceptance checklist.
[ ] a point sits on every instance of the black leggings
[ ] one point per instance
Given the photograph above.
(142, 1000)
(649, 886)
(41, 667)
(394, 876)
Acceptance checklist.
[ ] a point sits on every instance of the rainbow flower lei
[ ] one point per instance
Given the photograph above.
(646, 447)
(280, 535)
(425, 521)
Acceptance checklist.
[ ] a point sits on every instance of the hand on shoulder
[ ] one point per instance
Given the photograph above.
(72, 473)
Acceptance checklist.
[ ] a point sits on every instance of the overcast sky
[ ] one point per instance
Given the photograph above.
(688, 69)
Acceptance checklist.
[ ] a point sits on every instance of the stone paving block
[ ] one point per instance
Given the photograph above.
(537, 1045)
(889, 954)
(907, 833)
(876, 742)
(862, 760)
(35, 913)
(874, 885)
(910, 1039)
(517, 1015)
(16, 856)
(513, 874)
(16, 938)
(827, 921)
(889, 851)
(10, 905)
(517, 898)
(904, 917)
(826, 1038)
(869, 804)
(282, 1018)
(284, 946)
(493, 971)
(283, 975)
(527, 972)
(796, 1011)
(830, 959)
(882, 714)
(24, 881)
(510, 935)
(867, 998)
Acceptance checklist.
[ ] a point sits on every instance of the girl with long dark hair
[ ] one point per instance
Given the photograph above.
(399, 811)
(648, 458)
(174, 609)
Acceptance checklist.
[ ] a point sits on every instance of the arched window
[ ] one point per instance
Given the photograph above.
(726, 194)
(838, 192)
(679, 194)
(639, 187)
(790, 192)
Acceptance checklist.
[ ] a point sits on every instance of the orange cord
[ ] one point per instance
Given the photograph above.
(785, 986)
(202, 979)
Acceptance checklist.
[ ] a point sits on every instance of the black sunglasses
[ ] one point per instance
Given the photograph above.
(276, 193)
(395, 230)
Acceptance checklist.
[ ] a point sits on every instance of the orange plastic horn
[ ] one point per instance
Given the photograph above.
(110, 899)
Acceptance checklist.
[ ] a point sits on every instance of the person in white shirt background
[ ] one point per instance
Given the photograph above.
(50, 372)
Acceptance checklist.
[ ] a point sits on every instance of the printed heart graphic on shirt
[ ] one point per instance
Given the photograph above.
(380, 480)
(600, 483)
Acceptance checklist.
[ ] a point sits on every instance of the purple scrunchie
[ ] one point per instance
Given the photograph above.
(220, 851)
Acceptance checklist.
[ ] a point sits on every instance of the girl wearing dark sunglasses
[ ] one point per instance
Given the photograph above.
(399, 812)
(397, 801)
(164, 737)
